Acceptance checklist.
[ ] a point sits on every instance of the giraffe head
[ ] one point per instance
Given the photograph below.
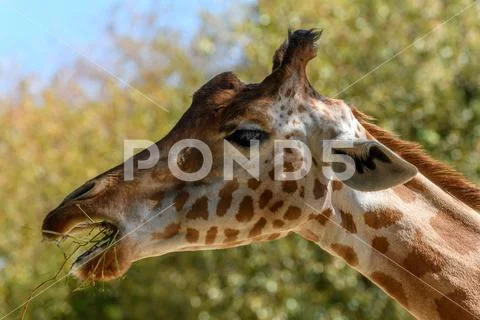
(158, 212)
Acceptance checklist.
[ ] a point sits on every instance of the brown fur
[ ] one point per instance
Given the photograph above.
(439, 173)
(319, 189)
(211, 235)
(277, 223)
(292, 213)
(192, 235)
(170, 231)
(289, 186)
(257, 227)
(277, 205)
(231, 235)
(245, 210)
(347, 222)
(226, 197)
(382, 218)
(380, 244)
(323, 217)
(423, 258)
(199, 209)
(390, 285)
(452, 306)
(345, 252)
(265, 198)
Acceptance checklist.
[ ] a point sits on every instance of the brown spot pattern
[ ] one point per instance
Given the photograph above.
(257, 227)
(393, 287)
(380, 244)
(302, 192)
(277, 205)
(180, 200)
(422, 259)
(336, 185)
(190, 160)
(191, 235)
(277, 223)
(383, 218)
(253, 183)
(323, 217)
(289, 167)
(170, 231)
(453, 310)
(231, 234)
(226, 196)
(292, 213)
(271, 174)
(158, 197)
(274, 236)
(310, 235)
(265, 197)
(347, 222)
(346, 253)
(199, 209)
(245, 210)
(289, 186)
(318, 189)
(211, 235)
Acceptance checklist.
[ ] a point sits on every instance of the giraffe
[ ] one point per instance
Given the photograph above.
(404, 220)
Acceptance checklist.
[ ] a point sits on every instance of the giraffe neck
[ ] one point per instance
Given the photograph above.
(416, 242)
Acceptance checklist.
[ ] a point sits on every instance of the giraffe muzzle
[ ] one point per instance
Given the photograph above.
(70, 219)
(110, 252)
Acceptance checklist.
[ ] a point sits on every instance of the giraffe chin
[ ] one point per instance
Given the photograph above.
(103, 262)
(108, 258)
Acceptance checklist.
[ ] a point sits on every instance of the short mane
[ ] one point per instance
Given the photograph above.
(438, 172)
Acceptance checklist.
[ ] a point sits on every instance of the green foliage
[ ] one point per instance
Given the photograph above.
(54, 140)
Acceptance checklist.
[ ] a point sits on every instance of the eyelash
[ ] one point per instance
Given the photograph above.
(243, 137)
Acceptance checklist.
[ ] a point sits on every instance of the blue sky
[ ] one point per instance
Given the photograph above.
(37, 36)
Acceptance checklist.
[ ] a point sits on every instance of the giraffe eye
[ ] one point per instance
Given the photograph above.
(246, 137)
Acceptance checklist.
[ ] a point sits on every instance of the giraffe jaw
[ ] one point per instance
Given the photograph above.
(99, 246)
(108, 256)
(107, 259)
(97, 249)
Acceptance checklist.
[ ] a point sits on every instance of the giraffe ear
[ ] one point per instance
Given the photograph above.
(376, 166)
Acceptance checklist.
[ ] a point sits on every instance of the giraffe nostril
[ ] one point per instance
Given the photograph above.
(79, 193)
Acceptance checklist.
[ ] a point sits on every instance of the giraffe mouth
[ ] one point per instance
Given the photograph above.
(63, 230)
(106, 254)
(98, 238)
(107, 259)
(104, 240)
(106, 237)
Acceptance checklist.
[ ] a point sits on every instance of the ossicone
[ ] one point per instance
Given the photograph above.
(297, 50)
